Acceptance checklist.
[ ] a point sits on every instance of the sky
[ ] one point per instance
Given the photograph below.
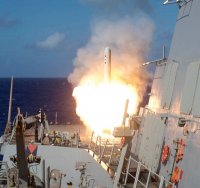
(41, 38)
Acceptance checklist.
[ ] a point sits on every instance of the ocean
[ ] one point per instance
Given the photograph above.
(31, 94)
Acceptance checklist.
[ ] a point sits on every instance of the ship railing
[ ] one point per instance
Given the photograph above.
(95, 144)
(4, 173)
(104, 139)
(105, 150)
(109, 151)
(114, 155)
(98, 144)
(145, 182)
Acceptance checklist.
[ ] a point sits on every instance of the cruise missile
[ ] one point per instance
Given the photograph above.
(107, 65)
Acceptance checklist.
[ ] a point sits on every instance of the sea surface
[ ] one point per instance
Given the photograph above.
(53, 95)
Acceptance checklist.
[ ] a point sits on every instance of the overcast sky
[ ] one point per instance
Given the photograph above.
(41, 38)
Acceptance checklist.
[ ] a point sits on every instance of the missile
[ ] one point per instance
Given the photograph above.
(107, 65)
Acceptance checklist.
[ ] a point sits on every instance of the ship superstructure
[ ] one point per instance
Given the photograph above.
(167, 140)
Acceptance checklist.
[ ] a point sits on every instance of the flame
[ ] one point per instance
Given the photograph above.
(101, 105)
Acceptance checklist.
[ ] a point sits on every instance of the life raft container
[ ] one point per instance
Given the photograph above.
(176, 175)
(165, 154)
(181, 150)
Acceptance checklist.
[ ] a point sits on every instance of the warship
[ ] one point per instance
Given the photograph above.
(158, 147)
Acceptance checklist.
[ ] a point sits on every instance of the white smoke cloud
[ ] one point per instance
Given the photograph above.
(129, 41)
(51, 42)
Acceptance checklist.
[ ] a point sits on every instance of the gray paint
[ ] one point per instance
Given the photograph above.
(185, 49)
(64, 159)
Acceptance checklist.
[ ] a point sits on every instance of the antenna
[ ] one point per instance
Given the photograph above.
(164, 52)
(170, 2)
(157, 61)
(179, 2)
(8, 124)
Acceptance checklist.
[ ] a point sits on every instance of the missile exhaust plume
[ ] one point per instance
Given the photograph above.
(100, 106)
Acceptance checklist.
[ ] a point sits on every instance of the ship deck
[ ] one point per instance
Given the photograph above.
(83, 132)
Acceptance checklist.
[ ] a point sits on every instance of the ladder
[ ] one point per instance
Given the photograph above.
(13, 136)
(137, 182)
(4, 174)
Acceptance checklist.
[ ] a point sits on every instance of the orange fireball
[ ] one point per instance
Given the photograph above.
(101, 105)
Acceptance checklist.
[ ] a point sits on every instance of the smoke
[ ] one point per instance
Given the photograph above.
(129, 41)
(51, 42)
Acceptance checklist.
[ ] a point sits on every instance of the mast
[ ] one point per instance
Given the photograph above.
(8, 124)
(22, 163)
